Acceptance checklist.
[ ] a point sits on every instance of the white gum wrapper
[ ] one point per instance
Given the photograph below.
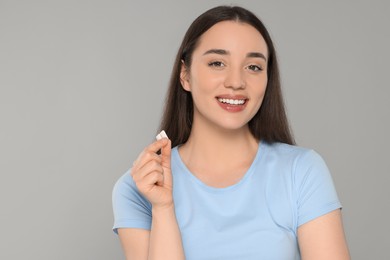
(161, 135)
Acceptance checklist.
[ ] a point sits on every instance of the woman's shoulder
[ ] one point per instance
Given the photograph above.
(124, 180)
(292, 153)
(286, 149)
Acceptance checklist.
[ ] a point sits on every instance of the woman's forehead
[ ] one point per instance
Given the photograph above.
(232, 35)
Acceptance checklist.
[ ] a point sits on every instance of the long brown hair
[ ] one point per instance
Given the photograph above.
(270, 123)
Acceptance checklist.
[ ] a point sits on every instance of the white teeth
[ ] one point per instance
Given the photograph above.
(232, 101)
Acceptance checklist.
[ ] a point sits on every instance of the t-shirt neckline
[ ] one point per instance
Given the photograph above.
(197, 181)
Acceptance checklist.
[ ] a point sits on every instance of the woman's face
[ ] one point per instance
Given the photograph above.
(228, 75)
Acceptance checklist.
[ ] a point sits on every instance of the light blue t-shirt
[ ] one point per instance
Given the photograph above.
(256, 218)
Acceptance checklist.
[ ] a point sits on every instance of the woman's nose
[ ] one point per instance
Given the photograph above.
(234, 79)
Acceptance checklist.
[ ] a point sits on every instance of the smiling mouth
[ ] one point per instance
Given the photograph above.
(230, 101)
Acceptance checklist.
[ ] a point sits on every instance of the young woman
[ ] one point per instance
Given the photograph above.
(234, 185)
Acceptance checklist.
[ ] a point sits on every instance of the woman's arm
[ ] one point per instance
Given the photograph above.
(323, 238)
(135, 242)
(153, 178)
(165, 238)
(162, 242)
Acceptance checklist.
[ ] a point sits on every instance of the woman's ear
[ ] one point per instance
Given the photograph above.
(184, 77)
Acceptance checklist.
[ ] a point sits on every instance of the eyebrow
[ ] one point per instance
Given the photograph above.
(225, 52)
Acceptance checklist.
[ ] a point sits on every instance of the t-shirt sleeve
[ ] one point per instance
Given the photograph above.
(131, 209)
(314, 187)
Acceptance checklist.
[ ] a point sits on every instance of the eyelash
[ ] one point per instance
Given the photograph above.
(255, 68)
(216, 64)
(221, 64)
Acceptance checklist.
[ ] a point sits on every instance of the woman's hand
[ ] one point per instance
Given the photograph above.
(152, 173)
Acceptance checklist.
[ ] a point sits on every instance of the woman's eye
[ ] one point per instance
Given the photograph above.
(255, 68)
(216, 64)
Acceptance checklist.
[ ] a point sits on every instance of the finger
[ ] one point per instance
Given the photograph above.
(156, 145)
(156, 178)
(149, 181)
(166, 154)
(144, 158)
(151, 166)
(166, 163)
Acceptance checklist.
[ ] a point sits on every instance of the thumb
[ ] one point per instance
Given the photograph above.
(166, 162)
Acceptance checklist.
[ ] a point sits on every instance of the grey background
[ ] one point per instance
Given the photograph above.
(81, 91)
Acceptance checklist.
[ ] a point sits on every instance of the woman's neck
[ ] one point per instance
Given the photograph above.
(219, 149)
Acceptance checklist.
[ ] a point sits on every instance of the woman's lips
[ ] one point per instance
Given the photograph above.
(232, 104)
